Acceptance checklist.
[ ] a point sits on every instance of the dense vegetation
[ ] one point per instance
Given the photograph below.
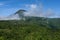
(30, 29)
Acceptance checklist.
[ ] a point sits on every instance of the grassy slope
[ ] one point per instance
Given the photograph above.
(27, 30)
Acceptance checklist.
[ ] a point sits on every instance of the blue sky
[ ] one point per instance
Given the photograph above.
(8, 7)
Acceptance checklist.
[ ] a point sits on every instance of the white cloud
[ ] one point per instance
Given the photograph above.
(49, 13)
(11, 17)
(33, 6)
(35, 10)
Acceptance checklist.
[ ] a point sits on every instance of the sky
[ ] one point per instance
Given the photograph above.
(47, 7)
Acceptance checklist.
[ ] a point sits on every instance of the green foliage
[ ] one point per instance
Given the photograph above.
(30, 29)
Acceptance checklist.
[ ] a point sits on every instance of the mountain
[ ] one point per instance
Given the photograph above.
(32, 28)
(15, 16)
(55, 22)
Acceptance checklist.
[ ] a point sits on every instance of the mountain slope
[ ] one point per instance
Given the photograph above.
(33, 28)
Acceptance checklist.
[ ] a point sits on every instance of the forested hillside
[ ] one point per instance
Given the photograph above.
(29, 29)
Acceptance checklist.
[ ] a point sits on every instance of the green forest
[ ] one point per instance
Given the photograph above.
(33, 28)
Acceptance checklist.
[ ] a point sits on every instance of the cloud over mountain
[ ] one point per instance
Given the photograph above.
(34, 10)
(38, 10)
